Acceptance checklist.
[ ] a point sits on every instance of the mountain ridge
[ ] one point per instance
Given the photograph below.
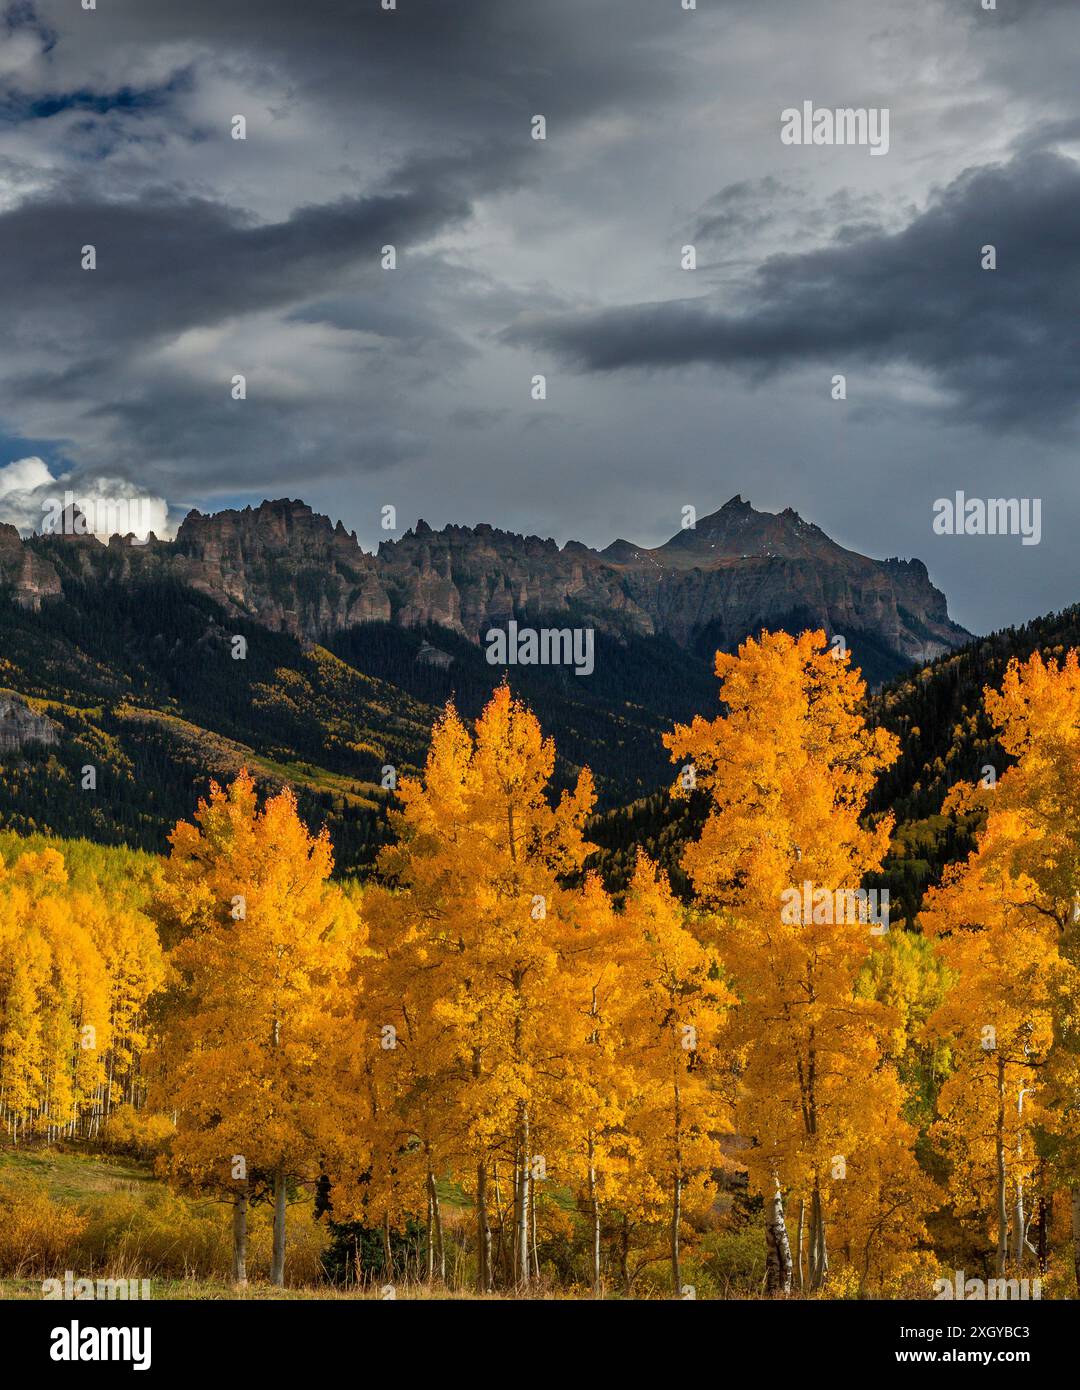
(738, 570)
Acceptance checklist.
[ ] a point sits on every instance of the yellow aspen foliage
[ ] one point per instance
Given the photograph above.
(674, 1006)
(599, 1081)
(878, 1201)
(261, 942)
(397, 1073)
(1012, 915)
(908, 975)
(483, 855)
(76, 971)
(781, 862)
(997, 1020)
(1033, 808)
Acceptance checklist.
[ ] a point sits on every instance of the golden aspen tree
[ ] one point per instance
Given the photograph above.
(599, 1082)
(260, 941)
(998, 1021)
(482, 854)
(21, 966)
(1032, 836)
(1028, 857)
(877, 1211)
(76, 1030)
(400, 1073)
(135, 968)
(57, 1045)
(675, 1007)
(781, 862)
(25, 968)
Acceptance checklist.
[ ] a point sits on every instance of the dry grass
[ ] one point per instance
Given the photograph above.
(197, 1290)
(109, 1218)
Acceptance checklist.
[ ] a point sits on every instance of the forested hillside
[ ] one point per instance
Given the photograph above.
(139, 683)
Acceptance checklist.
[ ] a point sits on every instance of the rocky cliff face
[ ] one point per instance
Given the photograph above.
(19, 725)
(735, 572)
(31, 579)
(281, 563)
(738, 570)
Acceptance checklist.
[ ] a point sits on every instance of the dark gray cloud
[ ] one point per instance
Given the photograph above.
(167, 262)
(442, 68)
(1003, 343)
(742, 208)
(413, 388)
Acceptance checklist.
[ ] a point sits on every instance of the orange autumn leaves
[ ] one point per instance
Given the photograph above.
(1005, 924)
(566, 1037)
(788, 769)
(486, 1015)
(486, 1020)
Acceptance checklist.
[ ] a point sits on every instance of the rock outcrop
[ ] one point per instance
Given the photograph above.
(20, 725)
(32, 579)
(736, 571)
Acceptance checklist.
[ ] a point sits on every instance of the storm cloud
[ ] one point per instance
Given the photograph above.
(262, 257)
(1001, 338)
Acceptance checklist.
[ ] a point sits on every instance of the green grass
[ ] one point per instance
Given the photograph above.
(75, 1177)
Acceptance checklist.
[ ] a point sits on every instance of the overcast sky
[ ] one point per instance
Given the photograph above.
(665, 387)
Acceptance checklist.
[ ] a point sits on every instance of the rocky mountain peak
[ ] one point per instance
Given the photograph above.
(737, 570)
(739, 532)
(74, 529)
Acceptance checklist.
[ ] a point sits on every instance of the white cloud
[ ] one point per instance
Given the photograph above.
(24, 475)
(32, 499)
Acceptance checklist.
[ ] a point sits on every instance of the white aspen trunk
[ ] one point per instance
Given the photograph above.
(1019, 1220)
(594, 1206)
(437, 1229)
(432, 1209)
(676, 1213)
(523, 1208)
(819, 1255)
(778, 1251)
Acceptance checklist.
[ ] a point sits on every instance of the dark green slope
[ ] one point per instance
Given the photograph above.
(140, 681)
(937, 712)
(142, 685)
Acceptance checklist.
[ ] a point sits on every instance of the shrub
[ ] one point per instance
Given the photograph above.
(37, 1234)
(137, 1133)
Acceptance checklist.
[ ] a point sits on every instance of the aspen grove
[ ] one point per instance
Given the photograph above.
(495, 1074)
